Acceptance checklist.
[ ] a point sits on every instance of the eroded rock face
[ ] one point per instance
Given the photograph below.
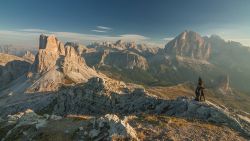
(127, 59)
(189, 44)
(45, 60)
(131, 55)
(61, 49)
(48, 42)
(56, 64)
(74, 66)
(47, 55)
(80, 49)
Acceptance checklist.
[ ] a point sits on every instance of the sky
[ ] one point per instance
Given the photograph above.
(150, 21)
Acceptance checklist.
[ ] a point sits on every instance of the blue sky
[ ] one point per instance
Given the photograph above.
(154, 21)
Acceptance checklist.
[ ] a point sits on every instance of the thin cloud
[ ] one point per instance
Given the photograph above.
(133, 37)
(100, 31)
(33, 30)
(168, 38)
(93, 37)
(104, 28)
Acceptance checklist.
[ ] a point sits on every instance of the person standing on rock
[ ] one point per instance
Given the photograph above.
(199, 90)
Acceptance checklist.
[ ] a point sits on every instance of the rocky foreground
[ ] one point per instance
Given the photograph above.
(28, 125)
(98, 111)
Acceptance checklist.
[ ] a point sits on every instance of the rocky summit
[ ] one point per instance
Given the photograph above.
(189, 44)
(56, 64)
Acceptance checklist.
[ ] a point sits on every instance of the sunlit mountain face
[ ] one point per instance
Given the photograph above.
(124, 70)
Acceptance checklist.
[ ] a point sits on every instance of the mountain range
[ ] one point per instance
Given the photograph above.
(126, 91)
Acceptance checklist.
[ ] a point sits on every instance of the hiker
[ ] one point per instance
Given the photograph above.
(199, 93)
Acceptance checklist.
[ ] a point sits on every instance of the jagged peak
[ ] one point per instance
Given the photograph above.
(70, 50)
(189, 44)
(50, 42)
(73, 44)
(189, 35)
(119, 42)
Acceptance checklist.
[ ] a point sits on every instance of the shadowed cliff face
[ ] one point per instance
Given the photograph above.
(11, 68)
(12, 71)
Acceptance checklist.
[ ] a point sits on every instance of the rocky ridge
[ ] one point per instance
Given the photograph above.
(111, 113)
(139, 101)
(101, 96)
(132, 55)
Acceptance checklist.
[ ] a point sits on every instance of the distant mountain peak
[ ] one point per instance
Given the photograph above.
(119, 42)
(189, 44)
(190, 36)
